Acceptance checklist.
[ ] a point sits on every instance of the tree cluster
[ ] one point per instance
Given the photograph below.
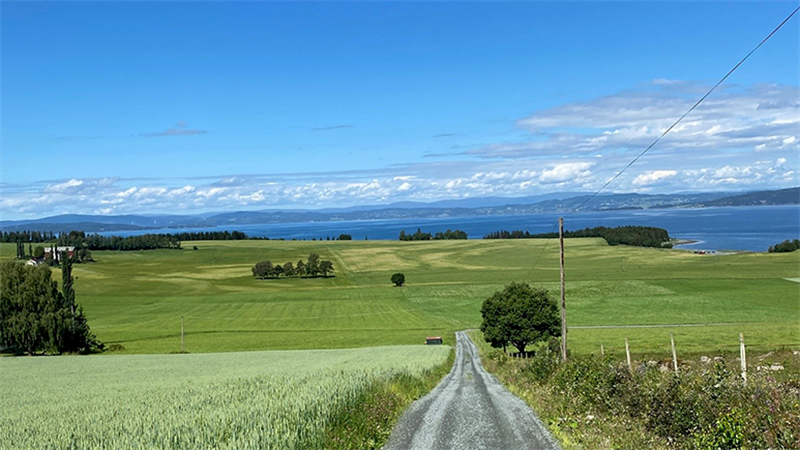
(519, 315)
(421, 236)
(450, 234)
(626, 235)
(35, 317)
(785, 246)
(312, 268)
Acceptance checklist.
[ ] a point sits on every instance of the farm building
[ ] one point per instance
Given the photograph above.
(433, 340)
(70, 250)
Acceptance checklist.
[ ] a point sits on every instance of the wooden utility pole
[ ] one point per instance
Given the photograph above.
(563, 296)
(182, 334)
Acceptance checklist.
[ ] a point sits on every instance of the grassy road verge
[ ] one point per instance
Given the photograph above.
(594, 402)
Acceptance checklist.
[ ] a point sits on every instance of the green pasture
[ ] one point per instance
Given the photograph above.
(136, 299)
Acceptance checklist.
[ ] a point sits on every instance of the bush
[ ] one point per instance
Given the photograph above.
(700, 408)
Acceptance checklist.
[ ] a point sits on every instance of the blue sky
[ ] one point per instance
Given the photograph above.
(181, 107)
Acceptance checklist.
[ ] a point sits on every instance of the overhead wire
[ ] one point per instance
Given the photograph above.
(671, 127)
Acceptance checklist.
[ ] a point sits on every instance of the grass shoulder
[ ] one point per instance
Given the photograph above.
(367, 421)
(594, 402)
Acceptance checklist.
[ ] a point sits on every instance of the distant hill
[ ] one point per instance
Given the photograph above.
(489, 206)
(789, 196)
(59, 227)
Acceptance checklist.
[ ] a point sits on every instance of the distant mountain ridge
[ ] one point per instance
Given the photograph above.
(789, 196)
(488, 206)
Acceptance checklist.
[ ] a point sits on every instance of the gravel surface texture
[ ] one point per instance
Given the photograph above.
(470, 409)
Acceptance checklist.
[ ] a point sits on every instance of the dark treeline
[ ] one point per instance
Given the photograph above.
(625, 235)
(148, 241)
(27, 237)
(421, 236)
(81, 240)
(785, 246)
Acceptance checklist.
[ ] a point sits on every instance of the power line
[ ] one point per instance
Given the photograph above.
(722, 80)
(696, 104)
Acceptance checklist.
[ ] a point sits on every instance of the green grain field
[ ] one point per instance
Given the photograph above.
(136, 299)
(238, 400)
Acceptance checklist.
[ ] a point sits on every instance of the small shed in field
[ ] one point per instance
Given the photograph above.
(433, 340)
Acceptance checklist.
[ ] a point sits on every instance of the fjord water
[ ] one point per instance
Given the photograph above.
(750, 228)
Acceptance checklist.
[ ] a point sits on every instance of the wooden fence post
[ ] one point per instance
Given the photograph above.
(674, 356)
(628, 354)
(743, 357)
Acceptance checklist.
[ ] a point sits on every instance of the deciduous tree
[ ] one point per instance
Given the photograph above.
(325, 267)
(519, 315)
(398, 279)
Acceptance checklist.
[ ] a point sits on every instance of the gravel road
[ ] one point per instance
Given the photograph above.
(469, 409)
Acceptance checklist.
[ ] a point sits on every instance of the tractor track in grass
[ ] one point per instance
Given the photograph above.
(470, 409)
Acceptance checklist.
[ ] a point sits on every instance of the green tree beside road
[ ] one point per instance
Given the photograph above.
(519, 315)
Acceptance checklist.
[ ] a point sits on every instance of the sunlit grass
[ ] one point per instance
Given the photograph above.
(136, 299)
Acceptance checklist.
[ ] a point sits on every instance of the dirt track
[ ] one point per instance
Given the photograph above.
(469, 409)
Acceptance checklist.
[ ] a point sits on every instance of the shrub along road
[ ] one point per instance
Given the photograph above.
(470, 409)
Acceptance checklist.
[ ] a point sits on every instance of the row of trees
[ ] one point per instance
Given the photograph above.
(143, 242)
(785, 246)
(314, 267)
(627, 235)
(420, 236)
(35, 317)
(27, 236)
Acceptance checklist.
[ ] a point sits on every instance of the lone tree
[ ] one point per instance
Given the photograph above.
(519, 315)
(398, 279)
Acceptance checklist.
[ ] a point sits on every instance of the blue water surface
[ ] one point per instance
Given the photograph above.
(751, 228)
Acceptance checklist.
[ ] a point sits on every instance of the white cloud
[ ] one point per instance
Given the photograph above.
(739, 137)
(64, 187)
(731, 118)
(565, 172)
(653, 177)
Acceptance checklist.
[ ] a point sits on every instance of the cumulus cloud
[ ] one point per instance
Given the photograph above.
(653, 177)
(75, 186)
(759, 117)
(741, 137)
(565, 172)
